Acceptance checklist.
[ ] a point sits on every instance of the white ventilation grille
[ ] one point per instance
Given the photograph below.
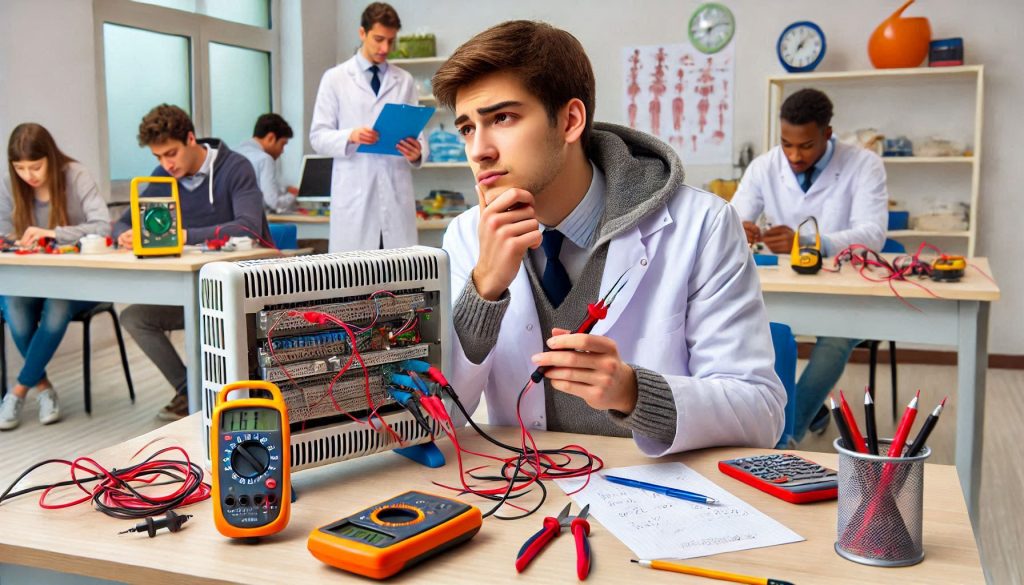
(233, 294)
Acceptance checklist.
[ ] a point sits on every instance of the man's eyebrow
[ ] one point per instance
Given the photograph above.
(489, 110)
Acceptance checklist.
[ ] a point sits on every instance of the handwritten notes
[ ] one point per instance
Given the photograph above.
(654, 526)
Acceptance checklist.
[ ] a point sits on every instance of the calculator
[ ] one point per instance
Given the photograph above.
(785, 476)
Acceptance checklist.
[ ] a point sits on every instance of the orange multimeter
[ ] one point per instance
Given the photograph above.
(394, 535)
(249, 446)
(806, 259)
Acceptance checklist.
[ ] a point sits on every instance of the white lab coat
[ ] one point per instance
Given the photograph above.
(370, 193)
(849, 197)
(691, 311)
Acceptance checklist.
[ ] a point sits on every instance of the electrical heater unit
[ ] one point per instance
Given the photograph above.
(396, 304)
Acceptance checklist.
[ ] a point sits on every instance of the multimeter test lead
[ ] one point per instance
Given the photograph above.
(151, 524)
(595, 312)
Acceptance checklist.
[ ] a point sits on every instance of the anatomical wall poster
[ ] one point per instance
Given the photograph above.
(683, 97)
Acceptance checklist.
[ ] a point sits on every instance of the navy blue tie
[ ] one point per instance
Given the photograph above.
(555, 280)
(375, 82)
(808, 179)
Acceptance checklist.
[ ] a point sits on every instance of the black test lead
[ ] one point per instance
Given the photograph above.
(151, 524)
(926, 429)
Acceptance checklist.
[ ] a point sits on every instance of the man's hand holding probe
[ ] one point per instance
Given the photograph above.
(590, 366)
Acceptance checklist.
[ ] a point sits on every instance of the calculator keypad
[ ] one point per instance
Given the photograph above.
(782, 468)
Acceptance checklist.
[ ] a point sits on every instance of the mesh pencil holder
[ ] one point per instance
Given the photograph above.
(880, 507)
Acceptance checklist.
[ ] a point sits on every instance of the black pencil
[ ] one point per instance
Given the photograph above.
(844, 431)
(869, 423)
(926, 429)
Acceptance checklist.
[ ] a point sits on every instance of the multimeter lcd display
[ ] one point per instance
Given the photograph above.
(359, 533)
(250, 419)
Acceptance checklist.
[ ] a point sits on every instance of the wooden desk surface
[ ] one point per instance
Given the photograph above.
(81, 540)
(421, 224)
(973, 287)
(191, 260)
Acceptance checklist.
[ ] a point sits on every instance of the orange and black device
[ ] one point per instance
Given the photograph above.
(948, 268)
(395, 535)
(249, 446)
(806, 259)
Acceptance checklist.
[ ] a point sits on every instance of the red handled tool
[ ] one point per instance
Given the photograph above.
(595, 312)
(580, 529)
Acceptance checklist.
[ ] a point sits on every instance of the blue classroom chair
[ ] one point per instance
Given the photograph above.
(785, 368)
(284, 235)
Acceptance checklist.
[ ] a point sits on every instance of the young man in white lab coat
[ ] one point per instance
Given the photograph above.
(843, 186)
(684, 358)
(372, 202)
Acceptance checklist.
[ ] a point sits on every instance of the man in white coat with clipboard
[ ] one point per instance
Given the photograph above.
(372, 202)
(844, 188)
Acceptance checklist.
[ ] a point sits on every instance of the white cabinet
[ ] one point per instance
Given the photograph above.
(919, 103)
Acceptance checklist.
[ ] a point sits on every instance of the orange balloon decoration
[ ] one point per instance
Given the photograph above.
(900, 42)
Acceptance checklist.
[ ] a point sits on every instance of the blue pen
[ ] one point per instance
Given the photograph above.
(660, 489)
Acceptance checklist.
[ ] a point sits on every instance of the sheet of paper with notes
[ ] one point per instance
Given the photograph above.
(654, 526)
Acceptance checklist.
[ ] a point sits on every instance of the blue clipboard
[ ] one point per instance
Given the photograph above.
(395, 123)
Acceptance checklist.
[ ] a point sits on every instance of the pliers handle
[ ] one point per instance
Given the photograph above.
(580, 532)
(537, 542)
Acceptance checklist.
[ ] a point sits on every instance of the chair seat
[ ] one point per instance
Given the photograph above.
(90, 313)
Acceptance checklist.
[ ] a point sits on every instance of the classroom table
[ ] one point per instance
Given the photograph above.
(83, 541)
(318, 227)
(120, 277)
(845, 304)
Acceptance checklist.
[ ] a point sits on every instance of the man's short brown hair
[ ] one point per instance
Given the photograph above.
(550, 63)
(165, 122)
(380, 13)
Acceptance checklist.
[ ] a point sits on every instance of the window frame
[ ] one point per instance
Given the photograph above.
(201, 30)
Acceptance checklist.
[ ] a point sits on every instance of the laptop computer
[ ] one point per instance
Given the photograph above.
(315, 179)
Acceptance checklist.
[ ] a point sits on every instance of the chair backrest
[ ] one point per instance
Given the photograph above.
(785, 368)
(285, 235)
(893, 247)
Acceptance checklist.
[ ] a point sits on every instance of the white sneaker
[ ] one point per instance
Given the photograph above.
(10, 411)
(49, 408)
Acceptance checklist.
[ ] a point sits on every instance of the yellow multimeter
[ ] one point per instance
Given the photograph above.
(948, 268)
(249, 446)
(395, 534)
(156, 221)
(806, 259)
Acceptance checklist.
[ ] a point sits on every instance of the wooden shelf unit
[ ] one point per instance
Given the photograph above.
(833, 82)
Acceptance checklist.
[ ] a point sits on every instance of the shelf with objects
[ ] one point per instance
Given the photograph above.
(443, 183)
(932, 154)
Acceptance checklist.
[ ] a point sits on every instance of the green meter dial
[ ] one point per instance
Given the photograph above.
(157, 220)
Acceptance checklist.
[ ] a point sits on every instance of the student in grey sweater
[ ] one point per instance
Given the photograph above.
(47, 194)
(684, 358)
(219, 197)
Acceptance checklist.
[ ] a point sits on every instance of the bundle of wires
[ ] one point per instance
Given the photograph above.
(528, 466)
(124, 493)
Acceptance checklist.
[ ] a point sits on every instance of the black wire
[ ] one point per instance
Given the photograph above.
(516, 477)
(193, 481)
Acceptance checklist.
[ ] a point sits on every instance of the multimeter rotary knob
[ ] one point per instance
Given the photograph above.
(250, 459)
(157, 220)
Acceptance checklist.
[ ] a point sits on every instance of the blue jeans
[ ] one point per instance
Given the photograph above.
(828, 359)
(37, 326)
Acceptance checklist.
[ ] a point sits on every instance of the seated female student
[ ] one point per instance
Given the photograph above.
(47, 194)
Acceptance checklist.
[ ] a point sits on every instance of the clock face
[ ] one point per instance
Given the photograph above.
(711, 27)
(801, 46)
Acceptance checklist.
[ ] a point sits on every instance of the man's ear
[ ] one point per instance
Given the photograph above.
(828, 133)
(574, 120)
(190, 140)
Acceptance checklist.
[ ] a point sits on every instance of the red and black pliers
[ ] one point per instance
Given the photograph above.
(580, 529)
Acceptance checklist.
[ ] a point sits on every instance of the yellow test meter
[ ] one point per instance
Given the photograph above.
(806, 259)
(384, 539)
(156, 221)
(249, 446)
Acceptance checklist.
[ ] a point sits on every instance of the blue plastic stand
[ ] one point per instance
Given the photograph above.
(426, 454)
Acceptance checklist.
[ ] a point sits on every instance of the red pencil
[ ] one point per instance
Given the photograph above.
(903, 430)
(851, 423)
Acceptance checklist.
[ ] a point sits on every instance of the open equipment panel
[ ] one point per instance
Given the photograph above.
(395, 304)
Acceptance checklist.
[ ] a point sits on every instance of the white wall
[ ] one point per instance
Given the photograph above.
(48, 75)
(606, 26)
